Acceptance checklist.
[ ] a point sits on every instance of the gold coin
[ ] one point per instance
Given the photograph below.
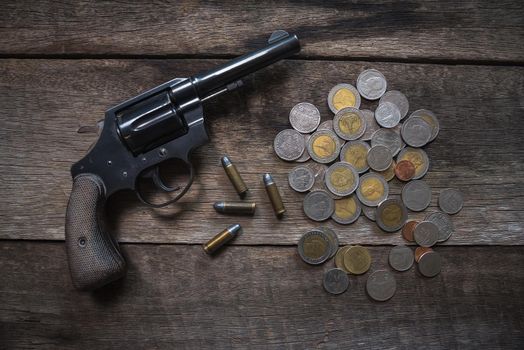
(417, 159)
(389, 173)
(355, 153)
(350, 123)
(372, 189)
(346, 208)
(392, 215)
(323, 146)
(344, 98)
(342, 179)
(339, 258)
(314, 247)
(357, 260)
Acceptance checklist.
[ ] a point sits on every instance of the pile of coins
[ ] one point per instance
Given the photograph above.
(353, 157)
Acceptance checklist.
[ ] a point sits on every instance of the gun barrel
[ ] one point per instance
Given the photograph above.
(209, 82)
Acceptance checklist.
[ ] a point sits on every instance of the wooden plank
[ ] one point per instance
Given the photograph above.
(46, 101)
(416, 30)
(258, 297)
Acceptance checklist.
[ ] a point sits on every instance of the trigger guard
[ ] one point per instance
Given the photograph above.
(177, 197)
(157, 180)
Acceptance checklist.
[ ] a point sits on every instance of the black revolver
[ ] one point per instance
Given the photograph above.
(164, 123)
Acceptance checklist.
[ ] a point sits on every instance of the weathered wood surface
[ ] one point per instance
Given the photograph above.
(479, 149)
(257, 298)
(413, 30)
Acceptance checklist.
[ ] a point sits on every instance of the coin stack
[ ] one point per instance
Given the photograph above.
(353, 157)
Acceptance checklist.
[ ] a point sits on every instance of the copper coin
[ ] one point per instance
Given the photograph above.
(405, 170)
(407, 230)
(421, 251)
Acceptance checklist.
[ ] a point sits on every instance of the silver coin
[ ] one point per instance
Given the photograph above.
(304, 117)
(444, 224)
(372, 190)
(429, 264)
(416, 195)
(305, 156)
(358, 160)
(319, 170)
(420, 161)
(426, 234)
(416, 132)
(398, 99)
(381, 285)
(342, 96)
(326, 125)
(388, 138)
(289, 144)
(371, 84)
(394, 220)
(371, 124)
(318, 205)
(333, 239)
(430, 118)
(341, 179)
(450, 201)
(305, 250)
(401, 258)
(387, 115)
(349, 219)
(301, 178)
(369, 212)
(379, 158)
(336, 281)
(349, 123)
(330, 149)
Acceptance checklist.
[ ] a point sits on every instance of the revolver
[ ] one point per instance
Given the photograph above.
(166, 122)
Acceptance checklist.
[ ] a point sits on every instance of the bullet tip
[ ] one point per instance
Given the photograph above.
(219, 206)
(268, 179)
(225, 161)
(234, 229)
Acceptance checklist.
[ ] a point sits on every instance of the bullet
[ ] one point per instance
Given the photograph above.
(221, 238)
(274, 195)
(245, 208)
(234, 176)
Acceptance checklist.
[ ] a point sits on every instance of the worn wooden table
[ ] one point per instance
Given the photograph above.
(63, 63)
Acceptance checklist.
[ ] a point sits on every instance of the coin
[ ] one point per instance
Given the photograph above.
(323, 146)
(407, 230)
(444, 224)
(429, 264)
(404, 170)
(333, 240)
(355, 153)
(416, 195)
(349, 123)
(339, 258)
(347, 210)
(419, 251)
(305, 155)
(357, 260)
(301, 178)
(342, 96)
(388, 138)
(416, 132)
(418, 157)
(450, 201)
(319, 170)
(304, 117)
(381, 285)
(289, 144)
(314, 247)
(371, 124)
(369, 212)
(318, 205)
(430, 118)
(372, 189)
(401, 258)
(426, 234)
(336, 281)
(387, 115)
(398, 99)
(341, 179)
(389, 173)
(326, 125)
(371, 84)
(379, 158)
(391, 215)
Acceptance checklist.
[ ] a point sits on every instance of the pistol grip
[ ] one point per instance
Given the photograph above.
(93, 256)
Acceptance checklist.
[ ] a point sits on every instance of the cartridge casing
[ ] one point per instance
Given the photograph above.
(221, 238)
(234, 176)
(274, 195)
(241, 208)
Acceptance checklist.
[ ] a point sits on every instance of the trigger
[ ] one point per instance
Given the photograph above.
(157, 180)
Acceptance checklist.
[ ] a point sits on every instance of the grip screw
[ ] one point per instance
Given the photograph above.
(82, 242)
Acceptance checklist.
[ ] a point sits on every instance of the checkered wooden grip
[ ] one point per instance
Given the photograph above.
(93, 255)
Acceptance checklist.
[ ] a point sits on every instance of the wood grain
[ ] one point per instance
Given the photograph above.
(407, 30)
(46, 101)
(258, 298)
